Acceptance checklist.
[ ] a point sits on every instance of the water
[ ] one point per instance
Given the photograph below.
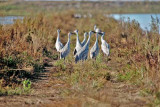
(9, 19)
(143, 19)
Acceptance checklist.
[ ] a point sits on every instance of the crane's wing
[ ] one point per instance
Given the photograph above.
(77, 58)
(107, 45)
(84, 54)
(75, 51)
(97, 51)
(93, 54)
(83, 42)
(106, 49)
(94, 48)
(61, 45)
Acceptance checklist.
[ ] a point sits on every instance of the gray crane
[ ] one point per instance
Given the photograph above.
(104, 45)
(85, 39)
(95, 49)
(82, 54)
(66, 49)
(78, 43)
(97, 30)
(58, 43)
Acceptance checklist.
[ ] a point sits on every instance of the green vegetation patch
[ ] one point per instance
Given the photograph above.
(18, 90)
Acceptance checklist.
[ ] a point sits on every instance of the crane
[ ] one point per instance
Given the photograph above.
(58, 43)
(97, 30)
(83, 53)
(78, 44)
(95, 49)
(104, 45)
(66, 49)
(85, 39)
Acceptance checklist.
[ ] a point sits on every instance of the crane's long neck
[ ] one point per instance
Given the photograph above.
(78, 38)
(68, 38)
(102, 38)
(85, 37)
(58, 36)
(88, 41)
(95, 27)
(97, 38)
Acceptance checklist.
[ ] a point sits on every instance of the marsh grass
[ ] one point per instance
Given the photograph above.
(134, 54)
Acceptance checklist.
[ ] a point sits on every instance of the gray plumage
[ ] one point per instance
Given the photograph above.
(83, 53)
(97, 30)
(66, 49)
(78, 44)
(58, 43)
(95, 49)
(104, 45)
(85, 39)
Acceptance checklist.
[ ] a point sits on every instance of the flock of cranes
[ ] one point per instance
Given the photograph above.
(82, 48)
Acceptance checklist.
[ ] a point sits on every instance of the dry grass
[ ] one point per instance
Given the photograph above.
(134, 54)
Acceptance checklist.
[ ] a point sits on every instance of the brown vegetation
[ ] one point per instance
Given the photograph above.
(134, 55)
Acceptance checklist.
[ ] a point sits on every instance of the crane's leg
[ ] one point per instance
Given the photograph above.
(58, 56)
(64, 60)
(75, 61)
(104, 57)
(82, 62)
(94, 61)
(108, 58)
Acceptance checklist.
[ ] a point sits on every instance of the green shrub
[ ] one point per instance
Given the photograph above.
(26, 86)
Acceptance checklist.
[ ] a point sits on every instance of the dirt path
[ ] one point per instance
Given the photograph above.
(46, 92)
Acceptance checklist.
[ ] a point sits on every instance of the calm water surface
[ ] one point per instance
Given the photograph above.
(143, 19)
(9, 19)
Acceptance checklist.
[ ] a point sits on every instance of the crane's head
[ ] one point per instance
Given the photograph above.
(70, 33)
(95, 27)
(102, 33)
(76, 31)
(86, 33)
(91, 32)
(58, 30)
